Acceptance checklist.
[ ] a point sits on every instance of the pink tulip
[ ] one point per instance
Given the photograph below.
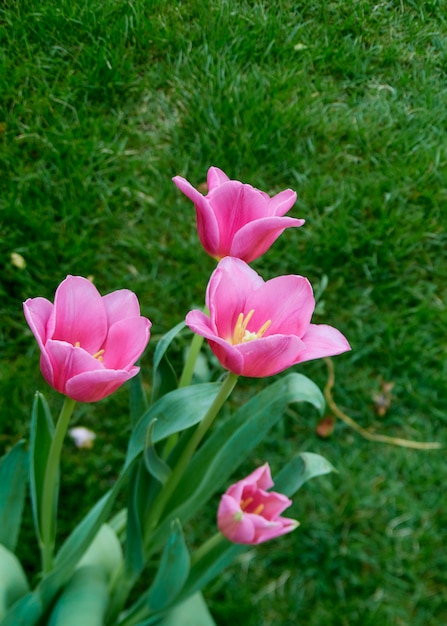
(237, 220)
(249, 514)
(88, 343)
(258, 328)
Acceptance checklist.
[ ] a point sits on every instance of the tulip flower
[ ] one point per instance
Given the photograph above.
(250, 514)
(257, 328)
(89, 344)
(235, 219)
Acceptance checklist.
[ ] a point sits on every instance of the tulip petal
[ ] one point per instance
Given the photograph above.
(282, 202)
(215, 178)
(321, 341)
(126, 342)
(228, 289)
(37, 313)
(98, 384)
(120, 305)
(253, 239)
(79, 316)
(287, 301)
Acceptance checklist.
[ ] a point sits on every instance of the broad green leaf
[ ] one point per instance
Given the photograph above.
(229, 444)
(191, 612)
(138, 402)
(155, 465)
(13, 583)
(77, 543)
(160, 351)
(13, 480)
(301, 468)
(42, 429)
(169, 579)
(84, 599)
(26, 612)
(165, 380)
(174, 412)
(104, 551)
(138, 492)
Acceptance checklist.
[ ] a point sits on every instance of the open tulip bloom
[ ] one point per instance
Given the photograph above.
(235, 219)
(89, 344)
(175, 464)
(249, 514)
(258, 328)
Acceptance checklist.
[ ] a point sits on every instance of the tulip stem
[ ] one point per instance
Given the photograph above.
(182, 463)
(193, 353)
(49, 488)
(206, 547)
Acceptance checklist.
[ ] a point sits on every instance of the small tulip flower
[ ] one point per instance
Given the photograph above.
(235, 219)
(89, 343)
(250, 514)
(257, 328)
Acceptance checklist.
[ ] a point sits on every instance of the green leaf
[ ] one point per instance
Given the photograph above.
(26, 612)
(13, 479)
(42, 430)
(191, 612)
(174, 412)
(229, 444)
(169, 579)
(105, 551)
(13, 583)
(155, 465)
(159, 377)
(301, 468)
(138, 402)
(84, 599)
(139, 491)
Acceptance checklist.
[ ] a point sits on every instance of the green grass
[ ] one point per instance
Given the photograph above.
(102, 103)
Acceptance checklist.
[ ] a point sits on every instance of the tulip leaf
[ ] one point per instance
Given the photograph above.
(78, 542)
(160, 375)
(13, 582)
(175, 411)
(140, 489)
(13, 479)
(155, 465)
(25, 612)
(138, 401)
(84, 599)
(228, 446)
(301, 468)
(42, 430)
(191, 612)
(169, 580)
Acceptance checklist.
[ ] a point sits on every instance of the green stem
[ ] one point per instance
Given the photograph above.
(193, 353)
(48, 502)
(190, 448)
(206, 547)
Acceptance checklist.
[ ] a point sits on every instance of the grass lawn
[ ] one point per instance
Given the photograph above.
(345, 102)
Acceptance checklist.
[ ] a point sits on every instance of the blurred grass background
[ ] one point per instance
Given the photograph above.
(345, 102)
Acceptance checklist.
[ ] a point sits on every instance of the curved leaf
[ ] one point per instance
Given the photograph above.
(301, 468)
(13, 583)
(13, 480)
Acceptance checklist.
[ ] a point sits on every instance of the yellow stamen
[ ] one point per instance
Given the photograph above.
(78, 344)
(245, 503)
(241, 334)
(258, 509)
(98, 355)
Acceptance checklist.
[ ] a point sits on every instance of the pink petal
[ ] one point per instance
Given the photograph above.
(266, 530)
(260, 357)
(207, 225)
(120, 305)
(322, 340)
(215, 178)
(261, 477)
(98, 384)
(126, 342)
(283, 202)
(37, 312)
(236, 529)
(79, 315)
(285, 300)
(228, 294)
(254, 238)
(68, 361)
